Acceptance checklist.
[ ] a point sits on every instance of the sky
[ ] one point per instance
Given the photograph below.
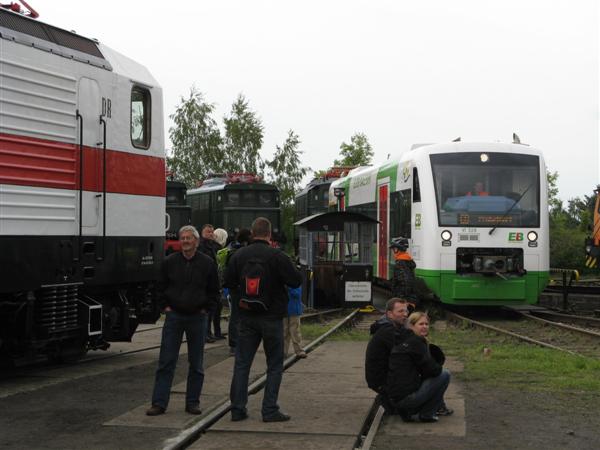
(400, 72)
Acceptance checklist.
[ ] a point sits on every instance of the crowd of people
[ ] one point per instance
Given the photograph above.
(262, 287)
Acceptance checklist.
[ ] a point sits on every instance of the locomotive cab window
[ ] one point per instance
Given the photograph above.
(140, 117)
(487, 189)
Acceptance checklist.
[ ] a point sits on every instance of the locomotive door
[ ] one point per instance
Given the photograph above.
(90, 108)
(383, 201)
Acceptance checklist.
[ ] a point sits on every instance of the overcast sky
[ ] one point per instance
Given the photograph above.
(401, 72)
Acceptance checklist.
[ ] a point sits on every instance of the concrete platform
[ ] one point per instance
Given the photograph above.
(217, 380)
(326, 396)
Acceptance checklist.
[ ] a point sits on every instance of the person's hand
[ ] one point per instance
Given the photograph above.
(203, 311)
(168, 309)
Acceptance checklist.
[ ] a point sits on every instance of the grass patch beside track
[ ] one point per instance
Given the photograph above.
(311, 331)
(510, 363)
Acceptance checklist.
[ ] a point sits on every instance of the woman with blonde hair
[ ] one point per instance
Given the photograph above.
(416, 380)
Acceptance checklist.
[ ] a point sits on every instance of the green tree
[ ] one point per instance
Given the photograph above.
(196, 140)
(287, 172)
(554, 203)
(357, 153)
(243, 139)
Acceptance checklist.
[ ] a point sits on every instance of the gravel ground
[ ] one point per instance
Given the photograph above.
(70, 415)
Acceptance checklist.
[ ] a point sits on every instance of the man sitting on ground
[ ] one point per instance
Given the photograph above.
(380, 347)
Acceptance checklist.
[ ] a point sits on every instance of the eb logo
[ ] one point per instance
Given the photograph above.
(515, 237)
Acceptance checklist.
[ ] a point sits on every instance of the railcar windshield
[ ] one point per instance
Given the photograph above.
(487, 189)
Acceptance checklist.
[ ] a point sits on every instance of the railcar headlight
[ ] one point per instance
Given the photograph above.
(484, 157)
(446, 235)
(532, 236)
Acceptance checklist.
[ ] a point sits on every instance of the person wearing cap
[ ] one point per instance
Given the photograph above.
(403, 282)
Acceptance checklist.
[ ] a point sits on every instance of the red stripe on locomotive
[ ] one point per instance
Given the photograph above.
(29, 161)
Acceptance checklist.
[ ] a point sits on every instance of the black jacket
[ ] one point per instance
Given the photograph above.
(282, 273)
(378, 353)
(410, 364)
(403, 282)
(189, 285)
(209, 248)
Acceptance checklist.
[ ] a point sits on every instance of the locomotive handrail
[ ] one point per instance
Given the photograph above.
(103, 123)
(79, 118)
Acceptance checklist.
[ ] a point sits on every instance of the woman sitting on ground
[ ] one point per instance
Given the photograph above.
(416, 381)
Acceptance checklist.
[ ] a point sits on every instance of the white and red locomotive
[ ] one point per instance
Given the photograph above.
(82, 191)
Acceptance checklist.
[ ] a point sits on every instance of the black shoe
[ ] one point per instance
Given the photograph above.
(193, 410)
(277, 417)
(431, 419)
(219, 337)
(210, 340)
(237, 417)
(444, 411)
(407, 418)
(155, 410)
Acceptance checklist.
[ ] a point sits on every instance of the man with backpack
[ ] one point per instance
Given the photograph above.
(257, 276)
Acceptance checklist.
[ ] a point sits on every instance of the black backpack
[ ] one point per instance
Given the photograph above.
(254, 285)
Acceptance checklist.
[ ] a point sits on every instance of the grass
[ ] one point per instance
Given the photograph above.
(513, 363)
(311, 331)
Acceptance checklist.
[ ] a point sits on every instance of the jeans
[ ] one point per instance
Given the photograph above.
(176, 324)
(215, 319)
(253, 329)
(234, 319)
(427, 399)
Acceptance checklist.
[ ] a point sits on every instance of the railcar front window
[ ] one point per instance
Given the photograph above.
(487, 189)
(140, 117)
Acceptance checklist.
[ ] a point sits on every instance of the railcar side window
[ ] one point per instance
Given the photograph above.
(416, 188)
(140, 117)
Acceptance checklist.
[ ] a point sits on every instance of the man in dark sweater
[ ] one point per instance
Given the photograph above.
(190, 286)
(257, 276)
(384, 331)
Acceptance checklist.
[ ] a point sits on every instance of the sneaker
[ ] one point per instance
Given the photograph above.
(238, 417)
(195, 410)
(277, 417)
(218, 337)
(155, 410)
(444, 411)
(301, 354)
(210, 340)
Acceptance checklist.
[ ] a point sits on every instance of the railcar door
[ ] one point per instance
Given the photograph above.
(90, 108)
(383, 194)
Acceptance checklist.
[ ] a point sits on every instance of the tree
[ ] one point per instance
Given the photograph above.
(287, 173)
(196, 140)
(243, 139)
(358, 153)
(286, 169)
(554, 203)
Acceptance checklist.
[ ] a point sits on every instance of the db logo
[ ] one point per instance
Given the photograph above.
(515, 237)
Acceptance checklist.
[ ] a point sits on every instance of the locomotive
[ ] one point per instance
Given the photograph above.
(233, 200)
(179, 214)
(475, 214)
(82, 192)
(314, 198)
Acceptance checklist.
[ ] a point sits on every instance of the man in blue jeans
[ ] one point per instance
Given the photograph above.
(190, 286)
(257, 276)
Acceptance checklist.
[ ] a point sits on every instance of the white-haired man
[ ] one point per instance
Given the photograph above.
(190, 287)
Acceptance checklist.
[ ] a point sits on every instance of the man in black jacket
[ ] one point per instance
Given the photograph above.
(380, 347)
(257, 276)
(190, 286)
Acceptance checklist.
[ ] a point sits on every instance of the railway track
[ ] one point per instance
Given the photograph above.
(193, 433)
(536, 330)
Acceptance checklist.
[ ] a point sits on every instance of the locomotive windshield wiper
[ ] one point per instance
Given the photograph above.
(510, 209)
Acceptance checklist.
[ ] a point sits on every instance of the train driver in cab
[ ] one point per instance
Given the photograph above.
(478, 190)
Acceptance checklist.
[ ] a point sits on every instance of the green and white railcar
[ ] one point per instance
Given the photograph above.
(475, 214)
